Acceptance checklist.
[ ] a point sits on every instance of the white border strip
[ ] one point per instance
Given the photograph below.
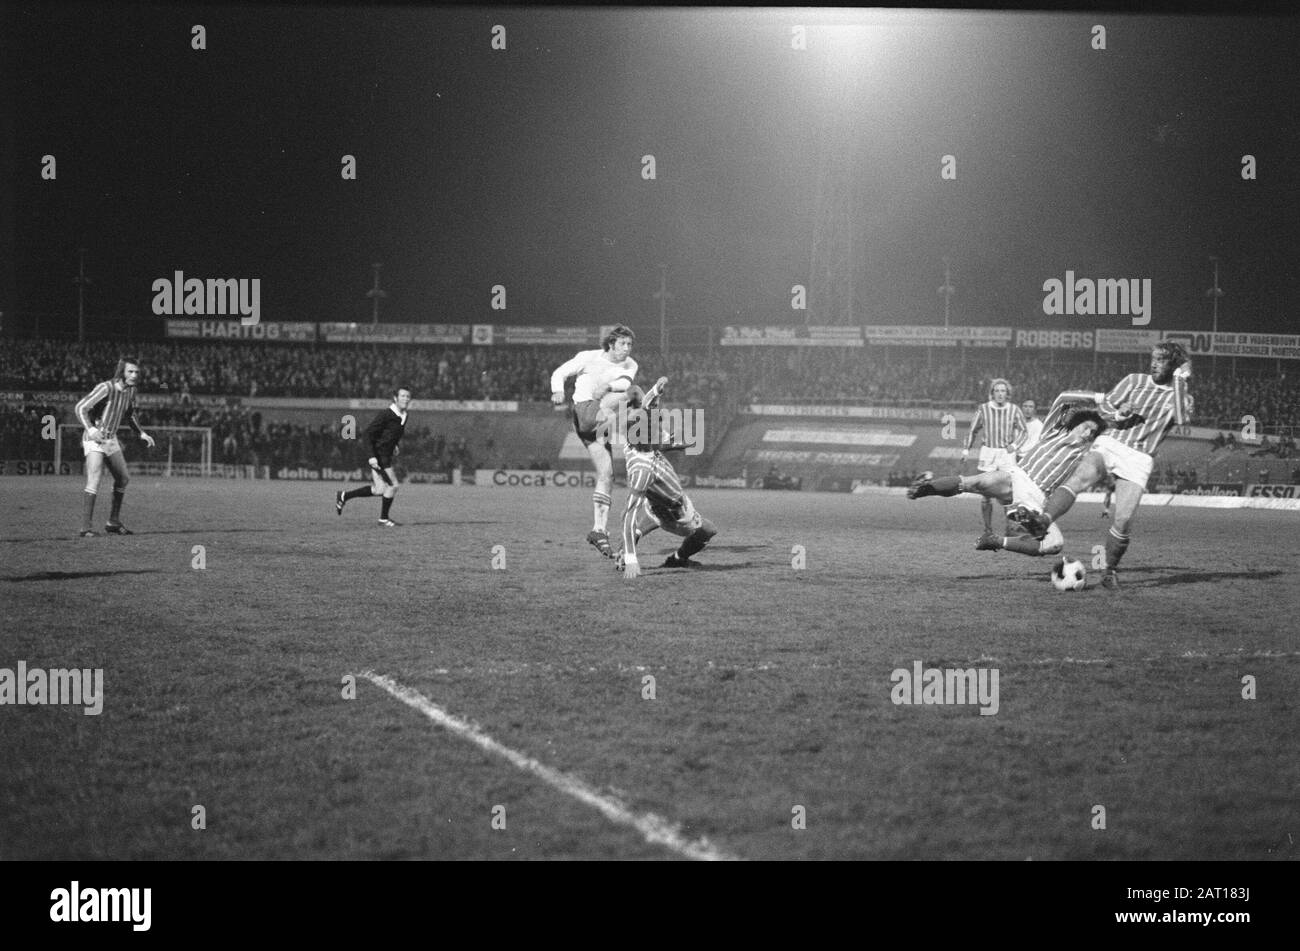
(653, 829)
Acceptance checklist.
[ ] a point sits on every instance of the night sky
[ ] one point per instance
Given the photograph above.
(522, 167)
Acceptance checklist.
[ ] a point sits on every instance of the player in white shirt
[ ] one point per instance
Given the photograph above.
(598, 372)
(1033, 428)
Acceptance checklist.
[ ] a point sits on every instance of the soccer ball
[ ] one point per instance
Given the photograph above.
(1068, 575)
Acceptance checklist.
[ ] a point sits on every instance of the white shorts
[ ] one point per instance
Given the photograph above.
(688, 521)
(108, 446)
(995, 459)
(1024, 490)
(1124, 462)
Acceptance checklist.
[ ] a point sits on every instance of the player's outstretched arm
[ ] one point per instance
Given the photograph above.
(631, 566)
(1079, 396)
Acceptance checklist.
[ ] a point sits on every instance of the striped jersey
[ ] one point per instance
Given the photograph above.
(1053, 458)
(593, 369)
(652, 474)
(999, 423)
(107, 406)
(1159, 406)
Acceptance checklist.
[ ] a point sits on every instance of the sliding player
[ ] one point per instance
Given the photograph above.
(1142, 408)
(597, 372)
(655, 495)
(1003, 427)
(1069, 431)
(382, 436)
(100, 413)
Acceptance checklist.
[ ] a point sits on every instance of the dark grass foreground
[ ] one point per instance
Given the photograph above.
(772, 685)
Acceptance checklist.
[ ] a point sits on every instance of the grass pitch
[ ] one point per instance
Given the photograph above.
(223, 685)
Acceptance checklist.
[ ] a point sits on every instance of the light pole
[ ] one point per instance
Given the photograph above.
(81, 281)
(375, 294)
(663, 297)
(946, 290)
(1215, 293)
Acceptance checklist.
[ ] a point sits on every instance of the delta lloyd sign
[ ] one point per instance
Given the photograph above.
(1086, 297)
(212, 297)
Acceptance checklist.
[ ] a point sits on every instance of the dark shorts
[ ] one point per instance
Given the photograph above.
(584, 420)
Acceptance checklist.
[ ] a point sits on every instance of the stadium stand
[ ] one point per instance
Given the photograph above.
(725, 381)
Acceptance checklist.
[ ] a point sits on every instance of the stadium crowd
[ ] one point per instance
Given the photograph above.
(723, 380)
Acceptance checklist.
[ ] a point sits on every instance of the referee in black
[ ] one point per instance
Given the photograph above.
(383, 434)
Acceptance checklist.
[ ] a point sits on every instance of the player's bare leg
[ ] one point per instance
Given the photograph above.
(602, 457)
(927, 483)
(1051, 544)
(94, 470)
(1128, 495)
(117, 466)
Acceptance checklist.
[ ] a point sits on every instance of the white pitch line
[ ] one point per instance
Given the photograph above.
(654, 829)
